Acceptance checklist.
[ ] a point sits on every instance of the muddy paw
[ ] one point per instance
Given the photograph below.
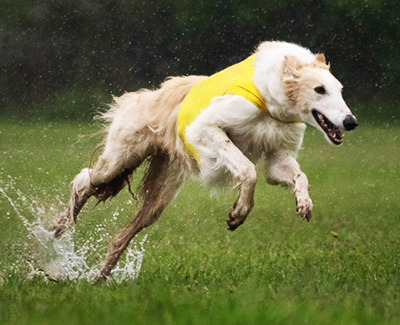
(59, 230)
(99, 278)
(62, 224)
(237, 217)
(233, 222)
(304, 208)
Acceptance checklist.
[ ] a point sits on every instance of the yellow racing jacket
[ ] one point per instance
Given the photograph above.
(234, 80)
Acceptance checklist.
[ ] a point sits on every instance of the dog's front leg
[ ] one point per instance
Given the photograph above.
(218, 152)
(245, 175)
(284, 169)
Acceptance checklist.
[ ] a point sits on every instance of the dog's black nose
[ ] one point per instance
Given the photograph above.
(350, 122)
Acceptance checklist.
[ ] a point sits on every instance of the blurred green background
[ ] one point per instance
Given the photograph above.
(62, 58)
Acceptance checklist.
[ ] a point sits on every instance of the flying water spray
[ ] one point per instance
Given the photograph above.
(58, 258)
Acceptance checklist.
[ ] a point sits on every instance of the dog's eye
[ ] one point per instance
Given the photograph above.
(320, 90)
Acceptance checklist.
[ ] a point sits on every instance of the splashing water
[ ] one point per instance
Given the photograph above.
(59, 259)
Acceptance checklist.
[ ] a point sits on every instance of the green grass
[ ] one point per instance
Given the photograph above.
(273, 269)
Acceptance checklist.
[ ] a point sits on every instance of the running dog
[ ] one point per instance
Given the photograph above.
(216, 129)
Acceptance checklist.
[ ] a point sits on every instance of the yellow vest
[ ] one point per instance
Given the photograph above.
(234, 80)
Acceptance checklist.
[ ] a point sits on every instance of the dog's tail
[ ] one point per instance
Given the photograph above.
(111, 189)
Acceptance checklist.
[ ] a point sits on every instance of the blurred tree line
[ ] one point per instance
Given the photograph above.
(62, 52)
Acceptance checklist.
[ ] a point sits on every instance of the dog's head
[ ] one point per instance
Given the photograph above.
(315, 97)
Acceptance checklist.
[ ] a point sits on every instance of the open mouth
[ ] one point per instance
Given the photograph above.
(330, 129)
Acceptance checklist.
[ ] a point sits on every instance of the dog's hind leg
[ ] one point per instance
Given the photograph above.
(161, 182)
(81, 192)
(105, 180)
(109, 175)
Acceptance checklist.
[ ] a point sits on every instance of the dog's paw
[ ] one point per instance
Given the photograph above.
(62, 225)
(233, 222)
(59, 230)
(304, 208)
(237, 217)
(100, 278)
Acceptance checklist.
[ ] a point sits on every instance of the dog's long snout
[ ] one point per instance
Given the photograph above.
(350, 122)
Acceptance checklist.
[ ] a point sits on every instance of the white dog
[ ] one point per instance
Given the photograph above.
(215, 128)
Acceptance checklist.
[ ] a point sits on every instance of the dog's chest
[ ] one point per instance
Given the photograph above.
(254, 139)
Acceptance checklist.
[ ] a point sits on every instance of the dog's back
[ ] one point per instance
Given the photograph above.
(150, 110)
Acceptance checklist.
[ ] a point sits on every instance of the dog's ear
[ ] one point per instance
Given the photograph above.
(320, 62)
(320, 58)
(291, 66)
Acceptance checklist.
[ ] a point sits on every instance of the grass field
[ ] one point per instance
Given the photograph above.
(273, 269)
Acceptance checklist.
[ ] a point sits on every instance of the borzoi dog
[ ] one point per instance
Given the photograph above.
(215, 128)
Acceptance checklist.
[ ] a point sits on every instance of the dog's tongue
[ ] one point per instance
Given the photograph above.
(330, 129)
(335, 133)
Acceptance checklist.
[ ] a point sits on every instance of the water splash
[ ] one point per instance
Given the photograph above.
(59, 259)
(130, 267)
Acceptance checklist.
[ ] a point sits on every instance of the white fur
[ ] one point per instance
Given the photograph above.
(231, 137)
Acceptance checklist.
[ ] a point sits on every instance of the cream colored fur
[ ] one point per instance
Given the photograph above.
(231, 137)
